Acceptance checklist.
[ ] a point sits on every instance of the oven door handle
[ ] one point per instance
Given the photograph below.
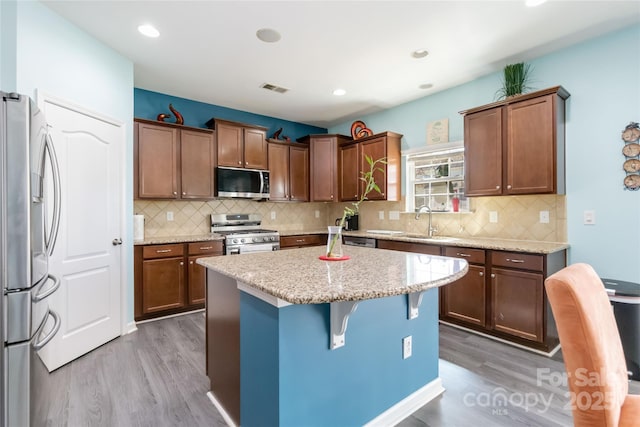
(266, 247)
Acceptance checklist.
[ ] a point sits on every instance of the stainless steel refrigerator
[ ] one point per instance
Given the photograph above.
(27, 238)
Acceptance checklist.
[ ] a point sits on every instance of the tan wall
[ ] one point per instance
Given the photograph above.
(518, 217)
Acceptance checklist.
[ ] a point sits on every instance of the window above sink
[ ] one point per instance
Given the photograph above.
(435, 177)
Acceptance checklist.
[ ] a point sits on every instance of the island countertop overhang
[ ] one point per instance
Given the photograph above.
(297, 276)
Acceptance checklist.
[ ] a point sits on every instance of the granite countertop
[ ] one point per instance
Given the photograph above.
(529, 246)
(299, 277)
(179, 239)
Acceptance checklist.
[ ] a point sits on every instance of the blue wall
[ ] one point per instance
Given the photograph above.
(148, 105)
(315, 386)
(603, 77)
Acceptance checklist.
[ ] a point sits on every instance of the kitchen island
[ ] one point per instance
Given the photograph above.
(293, 340)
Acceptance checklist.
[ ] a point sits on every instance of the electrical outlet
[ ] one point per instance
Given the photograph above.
(589, 217)
(406, 347)
(169, 216)
(395, 215)
(544, 217)
(493, 216)
(273, 214)
(381, 215)
(317, 213)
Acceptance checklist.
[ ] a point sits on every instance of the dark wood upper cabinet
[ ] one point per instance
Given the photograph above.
(323, 165)
(289, 172)
(173, 161)
(240, 145)
(516, 146)
(349, 176)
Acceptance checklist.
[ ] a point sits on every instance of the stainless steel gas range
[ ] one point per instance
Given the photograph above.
(243, 233)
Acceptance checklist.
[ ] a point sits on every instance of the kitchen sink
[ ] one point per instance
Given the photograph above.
(424, 237)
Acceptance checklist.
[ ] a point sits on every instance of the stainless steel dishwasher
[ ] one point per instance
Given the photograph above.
(366, 242)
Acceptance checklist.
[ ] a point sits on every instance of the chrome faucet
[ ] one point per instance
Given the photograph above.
(428, 209)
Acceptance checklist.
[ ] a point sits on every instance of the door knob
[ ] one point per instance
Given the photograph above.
(116, 242)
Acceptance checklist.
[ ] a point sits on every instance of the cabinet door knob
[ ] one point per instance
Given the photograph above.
(191, 262)
(175, 193)
(497, 187)
(246, 163)
(184, 193)
(181, 262)
(355, 195)
(493, 276)
(332, 196)
(481, 274)
(239, 162)
(509, 187)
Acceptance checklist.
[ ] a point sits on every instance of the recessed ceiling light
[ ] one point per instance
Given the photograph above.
(420, 53)
(268, 35)
(148, 30)
(534, 3)
(426, 86)
(339, 92)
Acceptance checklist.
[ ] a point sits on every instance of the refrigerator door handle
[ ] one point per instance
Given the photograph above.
(56, 284)
(37, 346)
(50, 240)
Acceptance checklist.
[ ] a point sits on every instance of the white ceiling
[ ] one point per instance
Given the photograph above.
(208, 50)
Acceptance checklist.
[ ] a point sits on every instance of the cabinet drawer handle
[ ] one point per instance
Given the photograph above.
(516, 261)
(299, 240)
(163, 251)
(206, 248)
(463, 255)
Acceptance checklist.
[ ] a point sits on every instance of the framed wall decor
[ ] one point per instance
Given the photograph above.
(438, 132)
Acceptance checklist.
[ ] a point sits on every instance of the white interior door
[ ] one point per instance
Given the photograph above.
(86, 258)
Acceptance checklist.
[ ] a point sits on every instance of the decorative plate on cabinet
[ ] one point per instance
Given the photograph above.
(631, 133)
(631, 166)
(631, 150)
(632, 182)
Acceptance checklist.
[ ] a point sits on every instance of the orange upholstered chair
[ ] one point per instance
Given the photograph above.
(592, 350)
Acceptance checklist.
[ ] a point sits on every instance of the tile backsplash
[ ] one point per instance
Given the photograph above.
(518, 217)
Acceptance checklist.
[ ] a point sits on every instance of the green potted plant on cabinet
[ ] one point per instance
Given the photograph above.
(515, 80)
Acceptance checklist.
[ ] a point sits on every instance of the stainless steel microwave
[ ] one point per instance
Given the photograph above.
(242, 183)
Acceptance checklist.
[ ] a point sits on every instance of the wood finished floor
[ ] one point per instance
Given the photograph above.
(155, 377)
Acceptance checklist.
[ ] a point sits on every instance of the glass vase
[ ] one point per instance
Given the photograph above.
(334, 242)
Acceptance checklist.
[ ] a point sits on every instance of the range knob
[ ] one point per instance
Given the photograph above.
(273, 238)
(256, 239)
(234, 241)
(241, 240)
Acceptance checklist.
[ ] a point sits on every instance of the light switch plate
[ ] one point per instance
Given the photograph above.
(544, 217)
(395, 215)
(381, 215)
(589, 217)
(273, 214)
(493, 216)
(317, 213)
(169, 216)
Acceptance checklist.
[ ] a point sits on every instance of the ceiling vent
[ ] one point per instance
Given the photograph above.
(274, 88)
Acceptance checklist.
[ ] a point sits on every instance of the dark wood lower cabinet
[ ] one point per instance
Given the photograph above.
(302, 241)
(502, 294)
(464, 299)
(163, 285)
(167, 279)
(517, 300)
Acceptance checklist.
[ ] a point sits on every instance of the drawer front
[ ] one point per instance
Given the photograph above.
(208, 247)
(518, 260)
(302, 240)
(409, 247)
(473, 256)
(162, 251)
